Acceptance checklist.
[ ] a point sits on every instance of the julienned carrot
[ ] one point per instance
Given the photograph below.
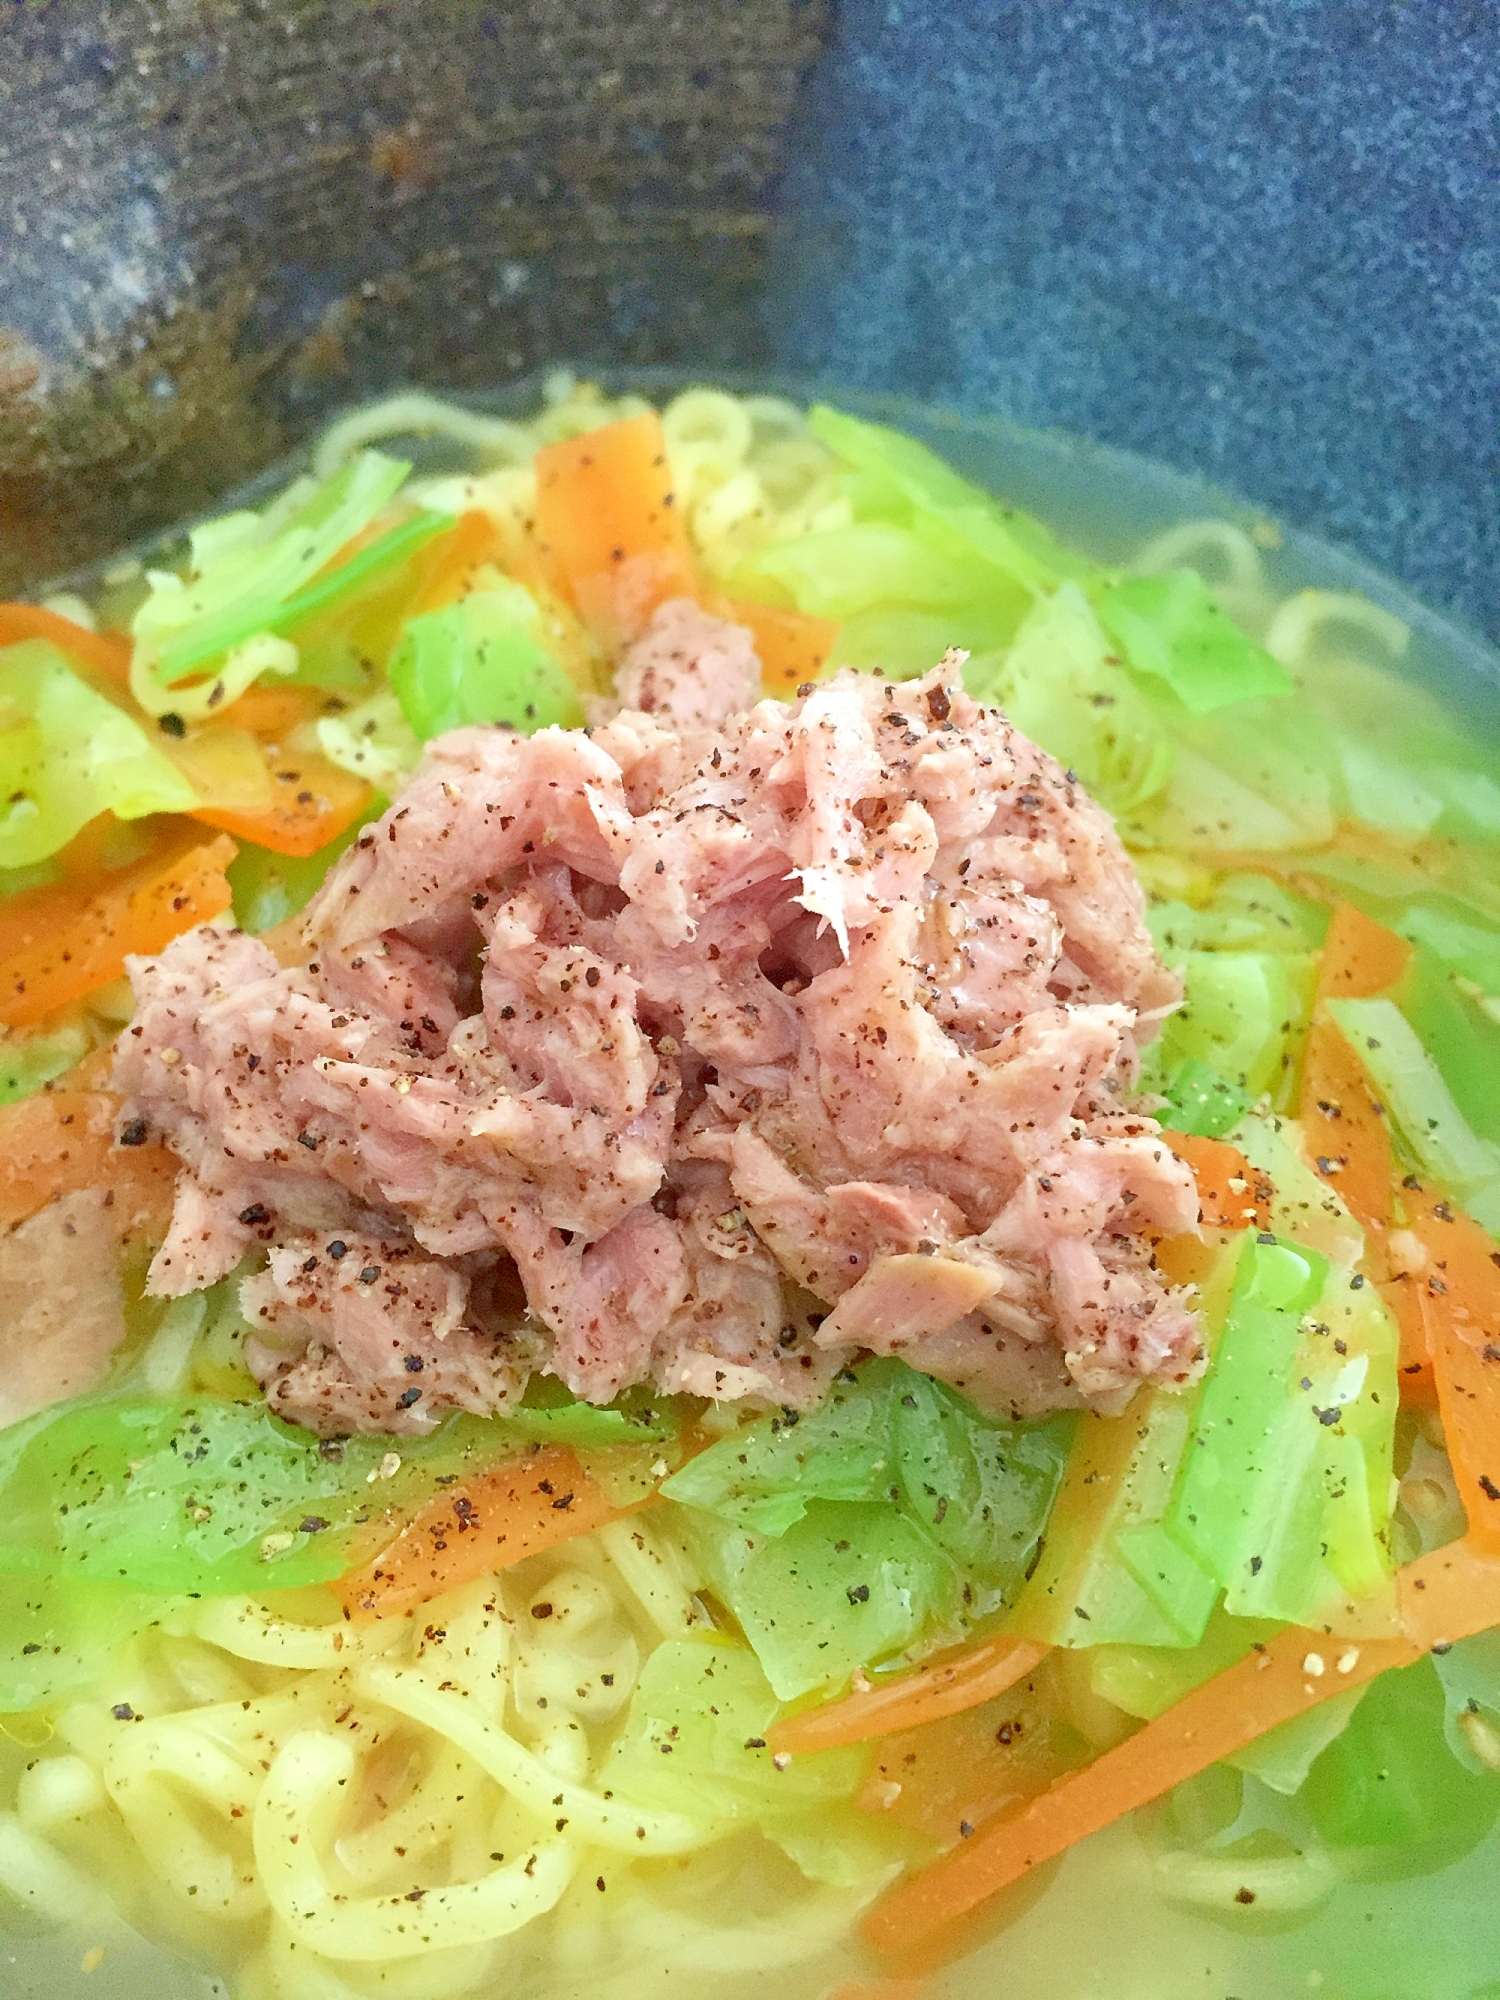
(792, 646)
(1360, 957)
(1348, 1140)
(60, 1141)
(608, 522)
(1231, 1194)
(1444, 1596)
(447, 566)
(108, 653)
(1457, 1294)
(945, 1687)
(140, 910)
(484, 1524)
(315, 802)
(1402, 1295)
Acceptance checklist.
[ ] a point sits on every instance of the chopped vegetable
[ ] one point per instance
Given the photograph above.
(32, 1061)
(1168, 626)
(905, 1701)
(268, 888)
(709, 1704)
(141, 909)
(888, 1436)
(1061, 684)
(792, 648)
(108, 653)
(1242, 1016)
(1231, 1194)
(313, 803)
(68, 754)
(850, 1583)
(1407, 1080)
(61, 1140)
(1445, 1596)
(246, 569)
(1457, 1294)
(487, 1523)
(1287, 1474)
(482, 660)
(608, 521)
(1388, 1794)
(898, 476)
(1200, 1103)
(1360, 957)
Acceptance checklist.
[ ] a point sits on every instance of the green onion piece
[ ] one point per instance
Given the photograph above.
(246, 566)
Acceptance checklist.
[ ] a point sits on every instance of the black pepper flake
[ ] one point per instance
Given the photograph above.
(133, 1132)
(337, 1249)
(412, 1363)
(407, 1397)
(172, 724)
(123, 1712)
(858, 1593)
(479, 899)
(542, 1610)
(1488, 1487)
(1266, 1236)
(313, 1525)
(369, 1274)
(254, 1214)
(755, 1742)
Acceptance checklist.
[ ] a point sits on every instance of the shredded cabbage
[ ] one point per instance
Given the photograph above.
(68, 754)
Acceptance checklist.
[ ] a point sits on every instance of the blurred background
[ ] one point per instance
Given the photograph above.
(1258, 242)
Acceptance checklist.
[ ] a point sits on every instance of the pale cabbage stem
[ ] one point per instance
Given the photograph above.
(303, 1788)
(591, 1817)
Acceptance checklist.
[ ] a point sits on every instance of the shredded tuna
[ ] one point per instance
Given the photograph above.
(718, 1042)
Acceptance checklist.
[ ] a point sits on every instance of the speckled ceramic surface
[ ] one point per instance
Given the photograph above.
(1261, 242)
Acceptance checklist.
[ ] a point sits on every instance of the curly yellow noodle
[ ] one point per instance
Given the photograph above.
(1300, 621)
(306, 1788)
(609, 1823)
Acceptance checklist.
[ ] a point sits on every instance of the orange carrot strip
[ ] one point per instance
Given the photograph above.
(606, 517)
(946, 1687)
(1449, 1594)
(1343, 1127)
(1457, 1297)
(488, 1523)
(792, 646)
(447, 564)
(1360, 958)
(271, 712)
(1403, 1301)
(141, 911)
(59, 1141)
(1217, 1167)
(106, 652)
(316, 801)
(1444, 1597)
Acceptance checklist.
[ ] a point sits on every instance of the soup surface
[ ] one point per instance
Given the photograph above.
(739, 1665)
